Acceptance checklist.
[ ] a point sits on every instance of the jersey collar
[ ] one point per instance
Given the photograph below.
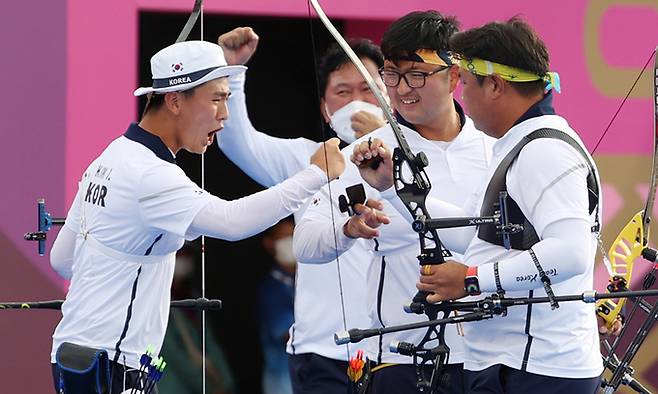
(543, 107)
(153, 142)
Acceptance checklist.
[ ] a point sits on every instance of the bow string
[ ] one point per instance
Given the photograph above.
(631, 244)
(197, 12)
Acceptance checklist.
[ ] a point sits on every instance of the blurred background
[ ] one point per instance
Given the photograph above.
(70, 67)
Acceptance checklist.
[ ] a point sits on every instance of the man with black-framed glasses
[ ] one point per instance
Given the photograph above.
(420, 78)
(414, 79)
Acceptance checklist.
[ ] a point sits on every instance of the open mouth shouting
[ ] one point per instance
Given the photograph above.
(211, 136)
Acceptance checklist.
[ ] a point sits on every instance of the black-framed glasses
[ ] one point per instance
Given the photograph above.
(414, 79)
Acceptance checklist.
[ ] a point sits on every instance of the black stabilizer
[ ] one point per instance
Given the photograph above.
(403, 348)
(637, 386)
(417, 305)
(650, 254)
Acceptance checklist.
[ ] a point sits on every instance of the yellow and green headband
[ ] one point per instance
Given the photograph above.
(485, 67)
(430, 56)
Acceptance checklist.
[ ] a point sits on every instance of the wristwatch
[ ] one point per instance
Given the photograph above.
(471, 283)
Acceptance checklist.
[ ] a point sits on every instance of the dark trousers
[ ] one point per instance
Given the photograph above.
(503, 379)
(311, 373)
(132, 379)
(401, 379)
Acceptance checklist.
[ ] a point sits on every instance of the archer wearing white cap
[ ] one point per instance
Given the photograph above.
(135, 208)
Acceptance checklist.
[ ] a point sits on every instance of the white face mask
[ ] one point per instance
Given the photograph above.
(283, 252)
(341, 120)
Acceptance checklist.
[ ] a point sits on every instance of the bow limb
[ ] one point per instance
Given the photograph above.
(354, 59)
(191, 21)
(412, 192)
(651, 197)
(633, 240)
(632, 243)
(361, 68)
(627, 247)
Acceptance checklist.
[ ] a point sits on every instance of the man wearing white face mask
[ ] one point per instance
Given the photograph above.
(316, 364)
(354, 120)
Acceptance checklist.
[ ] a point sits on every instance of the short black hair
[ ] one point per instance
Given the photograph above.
(155, 101)
(512, 43)
(418, 30)
(334, 58)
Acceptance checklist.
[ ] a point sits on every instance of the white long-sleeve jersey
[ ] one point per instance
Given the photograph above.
(320, 311)
(548, 182)
(455, 169)
(131, 214)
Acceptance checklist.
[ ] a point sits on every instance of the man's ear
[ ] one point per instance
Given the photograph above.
(323, 110)
(173, 102)
(453, 74)
(496, 86)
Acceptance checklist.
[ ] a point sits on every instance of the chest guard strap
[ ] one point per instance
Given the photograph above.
(524, 240)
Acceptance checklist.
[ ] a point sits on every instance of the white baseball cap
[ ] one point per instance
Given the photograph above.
(187, 64)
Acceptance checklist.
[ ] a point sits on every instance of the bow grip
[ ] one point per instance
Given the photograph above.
(608, 310)
(372, 163)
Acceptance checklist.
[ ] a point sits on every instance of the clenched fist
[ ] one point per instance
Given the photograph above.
(239, 45)
(329, 158)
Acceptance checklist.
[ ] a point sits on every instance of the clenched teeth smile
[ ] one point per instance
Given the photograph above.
(409, 101)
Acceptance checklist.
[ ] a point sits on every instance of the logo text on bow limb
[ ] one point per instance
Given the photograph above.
(178, 81)
(477, 221)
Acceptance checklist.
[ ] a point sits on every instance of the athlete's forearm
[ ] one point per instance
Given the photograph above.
(563, 253)
(238, 219)
(267, 160)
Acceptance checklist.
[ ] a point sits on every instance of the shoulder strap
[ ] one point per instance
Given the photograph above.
(528, 237)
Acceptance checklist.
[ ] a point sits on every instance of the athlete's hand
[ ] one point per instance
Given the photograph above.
(239, 45)
(606, 331)
(380, 178)
(329, 158)
(364, 224)
(363, 122)
(443, 281)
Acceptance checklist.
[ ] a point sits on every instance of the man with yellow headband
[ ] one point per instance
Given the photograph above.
(553, 190)
(420, 78)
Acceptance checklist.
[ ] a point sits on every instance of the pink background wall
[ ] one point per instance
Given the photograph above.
(70, 68)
